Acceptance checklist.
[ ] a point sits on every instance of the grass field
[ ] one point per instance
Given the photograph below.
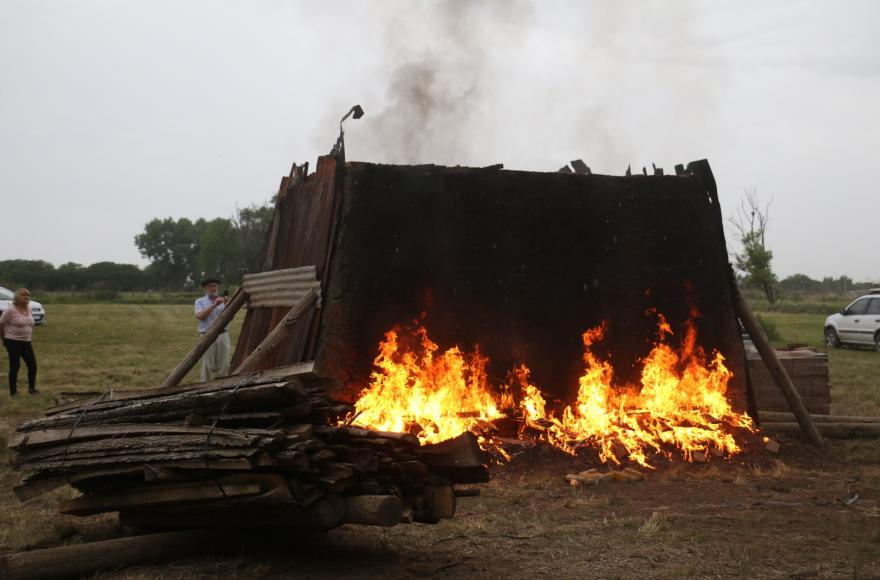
(757, 516)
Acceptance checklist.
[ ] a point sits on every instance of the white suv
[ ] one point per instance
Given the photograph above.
(857, 324)
(6, 296)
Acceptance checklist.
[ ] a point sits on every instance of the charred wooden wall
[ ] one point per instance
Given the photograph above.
(520, 263)
(301, 234)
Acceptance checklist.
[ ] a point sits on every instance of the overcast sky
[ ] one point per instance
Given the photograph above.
(115, 112)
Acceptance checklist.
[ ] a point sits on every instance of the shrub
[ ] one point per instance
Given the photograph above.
(769, 329)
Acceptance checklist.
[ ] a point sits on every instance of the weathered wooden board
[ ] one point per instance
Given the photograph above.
(305, 213)
(809, 373)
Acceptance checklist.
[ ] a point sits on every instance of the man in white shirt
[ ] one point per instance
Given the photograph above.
(215, 361)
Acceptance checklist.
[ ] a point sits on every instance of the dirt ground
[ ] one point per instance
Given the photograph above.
(803, 513)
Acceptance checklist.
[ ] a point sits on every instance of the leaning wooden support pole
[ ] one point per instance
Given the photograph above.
(81, 559)
(278, 333)
(777, 371)
(207, 339)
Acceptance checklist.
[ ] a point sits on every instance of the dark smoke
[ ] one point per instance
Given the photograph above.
(438, 84)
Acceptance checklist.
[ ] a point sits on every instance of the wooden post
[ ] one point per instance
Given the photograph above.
(207, 339)
(777, 371)
(80, 559)
(278, 333)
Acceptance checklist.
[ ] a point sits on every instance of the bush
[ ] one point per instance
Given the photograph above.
(105, 295)
(769, 329)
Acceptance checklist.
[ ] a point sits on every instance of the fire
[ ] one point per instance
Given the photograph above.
(679, 405)
(417, 389)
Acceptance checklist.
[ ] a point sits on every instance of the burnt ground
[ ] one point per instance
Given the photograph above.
(803, 513)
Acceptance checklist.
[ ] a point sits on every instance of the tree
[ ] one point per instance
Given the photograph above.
(34, 274)
(172, 246)
(182, 252)
(800, 283)
(219, 250)
(71, 277)
(754, 260)
(113, 276)
(252, 224)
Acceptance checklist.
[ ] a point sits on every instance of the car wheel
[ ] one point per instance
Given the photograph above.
(831, 338)
(877, 342)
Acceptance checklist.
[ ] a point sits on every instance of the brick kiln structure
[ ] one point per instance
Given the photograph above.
(518, 262)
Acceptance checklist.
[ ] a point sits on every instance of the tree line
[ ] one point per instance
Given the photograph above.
(181, 253)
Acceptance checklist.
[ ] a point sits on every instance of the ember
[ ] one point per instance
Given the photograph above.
(678, 408)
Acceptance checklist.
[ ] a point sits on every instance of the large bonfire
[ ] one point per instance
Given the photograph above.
(679, 407)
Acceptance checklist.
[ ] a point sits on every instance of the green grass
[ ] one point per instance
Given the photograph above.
(788, 306)
(855, 373)
(98, 347)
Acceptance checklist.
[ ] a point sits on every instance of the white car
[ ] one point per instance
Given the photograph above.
(857, 324)
(6, 296)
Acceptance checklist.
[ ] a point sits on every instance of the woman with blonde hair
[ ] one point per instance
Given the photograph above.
(16, 326)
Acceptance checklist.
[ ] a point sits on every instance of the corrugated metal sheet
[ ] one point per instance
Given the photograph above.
(281, 288)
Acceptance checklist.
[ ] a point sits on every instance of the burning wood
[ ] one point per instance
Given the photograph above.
(257, 450)
(596, 477)
(680, 406)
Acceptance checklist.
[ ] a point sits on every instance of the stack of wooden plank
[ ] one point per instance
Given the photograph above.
(808, 370)
(262, 449)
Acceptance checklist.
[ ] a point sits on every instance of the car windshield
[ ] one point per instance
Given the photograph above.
(6, 293)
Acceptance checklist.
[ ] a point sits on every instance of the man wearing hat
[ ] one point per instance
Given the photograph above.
(215, 361)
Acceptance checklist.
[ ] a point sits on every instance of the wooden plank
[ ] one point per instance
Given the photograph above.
(278, 334)
(34, 439)
(157, 495)
(207, 339)
(832, 430)
(325, 512)
(776, 417)
(78, 560)
(304, 371)
(168, 409)
(306, 215)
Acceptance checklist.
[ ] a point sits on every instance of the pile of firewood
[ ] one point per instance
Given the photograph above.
(262, 449)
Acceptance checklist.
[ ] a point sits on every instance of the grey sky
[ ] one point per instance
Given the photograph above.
(115, 112)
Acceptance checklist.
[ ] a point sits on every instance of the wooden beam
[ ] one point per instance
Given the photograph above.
(78, 560)
(278, 334)
(781, 417)
(148, 496)
(831, 430)
(777, 371)
(207, 339)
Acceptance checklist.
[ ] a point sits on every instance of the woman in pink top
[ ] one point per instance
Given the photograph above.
(16, 325)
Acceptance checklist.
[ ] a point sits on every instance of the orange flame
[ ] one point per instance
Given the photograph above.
(435, 395)
(679, 406)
